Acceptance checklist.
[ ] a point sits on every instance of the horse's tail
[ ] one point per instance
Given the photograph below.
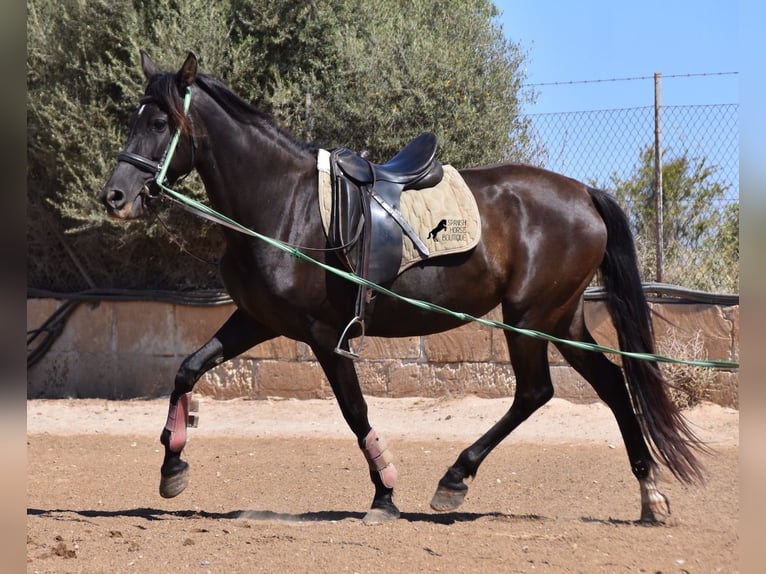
(662, 424)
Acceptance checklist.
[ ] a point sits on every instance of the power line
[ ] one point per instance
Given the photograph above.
(629, 79)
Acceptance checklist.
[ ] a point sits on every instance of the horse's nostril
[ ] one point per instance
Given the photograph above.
(115, 198)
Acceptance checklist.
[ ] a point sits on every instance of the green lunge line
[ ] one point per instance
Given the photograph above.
(209, 213)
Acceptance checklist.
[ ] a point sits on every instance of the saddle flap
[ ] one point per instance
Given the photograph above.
(347, 214)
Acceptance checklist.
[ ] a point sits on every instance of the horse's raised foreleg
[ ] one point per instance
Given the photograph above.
(341, 373)
(533, 390)
(238, 334)
(174, 472)
(607, 380)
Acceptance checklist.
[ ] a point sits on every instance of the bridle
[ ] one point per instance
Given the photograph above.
(159, 169)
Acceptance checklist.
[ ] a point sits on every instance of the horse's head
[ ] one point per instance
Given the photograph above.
(160, 115)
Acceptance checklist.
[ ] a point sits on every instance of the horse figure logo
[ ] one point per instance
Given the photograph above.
(441, 227)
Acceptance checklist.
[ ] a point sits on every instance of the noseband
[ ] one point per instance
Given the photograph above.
(159, 169)
(140, 162)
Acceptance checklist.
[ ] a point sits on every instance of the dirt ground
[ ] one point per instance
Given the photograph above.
(279, 486)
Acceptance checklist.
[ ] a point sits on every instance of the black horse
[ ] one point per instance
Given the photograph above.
(536, 268)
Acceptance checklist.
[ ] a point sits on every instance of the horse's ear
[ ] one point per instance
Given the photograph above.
(148, 66)
(188, 72)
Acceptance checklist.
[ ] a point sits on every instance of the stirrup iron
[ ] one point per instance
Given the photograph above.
(351, 353)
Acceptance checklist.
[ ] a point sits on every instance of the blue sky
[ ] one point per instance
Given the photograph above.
(594, 40)
(600, 39)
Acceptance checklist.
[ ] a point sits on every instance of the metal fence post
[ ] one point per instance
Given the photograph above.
(607, 148)
(659, 247)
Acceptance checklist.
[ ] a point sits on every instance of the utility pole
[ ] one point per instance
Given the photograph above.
(658, 241)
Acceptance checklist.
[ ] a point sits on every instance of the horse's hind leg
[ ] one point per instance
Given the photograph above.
(533, 389)
(607, 380)
(237, 335)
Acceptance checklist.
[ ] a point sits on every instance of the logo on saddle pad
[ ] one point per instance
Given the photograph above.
(450, 229)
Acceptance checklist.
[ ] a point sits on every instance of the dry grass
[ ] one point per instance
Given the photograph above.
(689, 385)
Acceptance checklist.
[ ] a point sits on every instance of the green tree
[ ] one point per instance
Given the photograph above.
(378, 73)
(441, 66)
(700, 228)
(82, 85)
(342, 72)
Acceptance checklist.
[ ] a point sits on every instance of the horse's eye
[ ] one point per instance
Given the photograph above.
(159, 124)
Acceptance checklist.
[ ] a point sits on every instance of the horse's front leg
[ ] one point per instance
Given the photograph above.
(343, 379)
(237, 335)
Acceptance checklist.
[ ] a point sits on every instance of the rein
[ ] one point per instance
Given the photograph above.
(180, 244)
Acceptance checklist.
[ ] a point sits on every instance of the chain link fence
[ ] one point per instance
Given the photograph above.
(614, 150)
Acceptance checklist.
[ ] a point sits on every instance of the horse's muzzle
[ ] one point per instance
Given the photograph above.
(113, 199)
(118, 206)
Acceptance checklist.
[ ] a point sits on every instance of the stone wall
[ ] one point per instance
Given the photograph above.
(118, 350)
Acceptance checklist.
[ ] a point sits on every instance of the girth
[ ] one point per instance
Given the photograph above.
(365, 222)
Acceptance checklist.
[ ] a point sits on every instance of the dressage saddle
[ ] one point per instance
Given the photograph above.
(366, 225)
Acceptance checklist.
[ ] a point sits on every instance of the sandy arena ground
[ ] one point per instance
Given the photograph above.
(279, 486)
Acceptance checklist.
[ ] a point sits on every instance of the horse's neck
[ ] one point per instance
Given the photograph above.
(256, 176)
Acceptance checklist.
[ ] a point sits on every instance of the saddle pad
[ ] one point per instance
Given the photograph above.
(445, 217)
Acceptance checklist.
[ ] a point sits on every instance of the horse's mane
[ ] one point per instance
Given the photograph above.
(234, 105)
(163, 89)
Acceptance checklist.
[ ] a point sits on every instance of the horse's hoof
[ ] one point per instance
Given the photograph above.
(655, 507)
(656, 518)
(378, 515)
(447, 498)
(173, 485)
